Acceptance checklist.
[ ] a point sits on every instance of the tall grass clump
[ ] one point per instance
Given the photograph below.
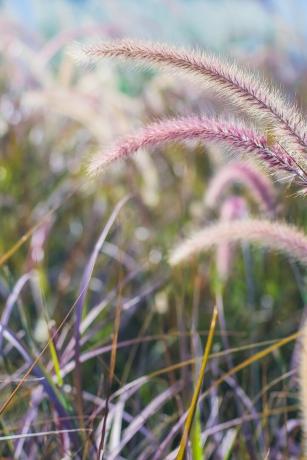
(275, 136)
(149, 311)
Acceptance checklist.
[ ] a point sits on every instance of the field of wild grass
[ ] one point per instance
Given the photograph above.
(153, 244)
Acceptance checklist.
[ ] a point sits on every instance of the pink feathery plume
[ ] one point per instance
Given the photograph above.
(235, 136)
(240, 87)
(272, 235)
(260, 187)
(233, 208)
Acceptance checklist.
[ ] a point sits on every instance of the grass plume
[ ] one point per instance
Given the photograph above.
(234, 136)
(240, 87)
(257, 183)
(272, 235)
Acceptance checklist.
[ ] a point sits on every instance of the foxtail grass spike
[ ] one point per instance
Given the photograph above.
(275, 236)
(235, 136)
(240, 87)
(247, 174)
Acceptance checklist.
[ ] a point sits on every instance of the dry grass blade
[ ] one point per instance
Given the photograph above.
(86, 278)
(256, 357)
(112, 369)
(41, 433)
(193, 406)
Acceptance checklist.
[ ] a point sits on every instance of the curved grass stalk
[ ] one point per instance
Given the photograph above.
(11, 301)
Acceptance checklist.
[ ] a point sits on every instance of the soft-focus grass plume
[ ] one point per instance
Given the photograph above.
(275, 236)
(257, 183)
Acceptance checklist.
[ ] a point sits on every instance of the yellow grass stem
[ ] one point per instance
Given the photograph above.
(55, 361)
(193, 406)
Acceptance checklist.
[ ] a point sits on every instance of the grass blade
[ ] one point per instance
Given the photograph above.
(193, 406)
(196, 444)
